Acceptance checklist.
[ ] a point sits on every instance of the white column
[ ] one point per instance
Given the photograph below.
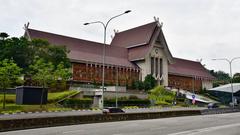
(159, 67)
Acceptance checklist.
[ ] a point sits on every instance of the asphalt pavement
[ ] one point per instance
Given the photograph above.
(219, 124)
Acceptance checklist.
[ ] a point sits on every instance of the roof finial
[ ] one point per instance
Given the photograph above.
(115, 31)
(26, 26)
(26, 34)
(156, 19)
(161, 24)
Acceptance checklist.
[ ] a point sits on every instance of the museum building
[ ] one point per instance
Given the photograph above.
(131, 55)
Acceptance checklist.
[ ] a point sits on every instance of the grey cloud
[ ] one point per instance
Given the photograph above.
(194, 29)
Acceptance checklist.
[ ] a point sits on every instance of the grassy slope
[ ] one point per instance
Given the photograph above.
(11, 107)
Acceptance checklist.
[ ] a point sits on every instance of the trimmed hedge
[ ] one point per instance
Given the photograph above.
(127, 102)
(78, 103)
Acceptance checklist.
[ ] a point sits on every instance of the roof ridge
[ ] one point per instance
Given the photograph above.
(65, 36)
(136, 27)
(186, 60)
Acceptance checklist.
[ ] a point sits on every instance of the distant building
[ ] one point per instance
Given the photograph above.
(224, 93)
(130, 56)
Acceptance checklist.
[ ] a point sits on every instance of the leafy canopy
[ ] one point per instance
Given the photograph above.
(236, 78)
(9, 73)
(23, 52)
(44, 72)
(41, 72)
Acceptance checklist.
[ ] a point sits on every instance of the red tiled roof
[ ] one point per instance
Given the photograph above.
(189, 68)
(138, 53)
(83, 50)
(136, 36)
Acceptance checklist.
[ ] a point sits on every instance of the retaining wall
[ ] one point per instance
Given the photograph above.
(16, 124)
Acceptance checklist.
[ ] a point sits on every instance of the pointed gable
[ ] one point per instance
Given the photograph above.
(161, 39)
(134, 37)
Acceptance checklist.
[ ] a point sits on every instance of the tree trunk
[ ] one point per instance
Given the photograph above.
(41, 102)
(4, 98)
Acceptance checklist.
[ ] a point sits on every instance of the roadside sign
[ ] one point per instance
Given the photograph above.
(193, 99)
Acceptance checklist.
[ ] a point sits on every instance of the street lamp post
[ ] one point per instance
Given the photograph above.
(231, 76)
(105, 25)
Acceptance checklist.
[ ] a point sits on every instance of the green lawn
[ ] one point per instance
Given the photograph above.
(11, 107)
(10, 98)
(52, 97)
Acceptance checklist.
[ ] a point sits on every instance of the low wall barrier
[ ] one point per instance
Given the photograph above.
(219, 111)
(16, 124)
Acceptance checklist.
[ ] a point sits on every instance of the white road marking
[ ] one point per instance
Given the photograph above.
(74, 131)
(196, 131)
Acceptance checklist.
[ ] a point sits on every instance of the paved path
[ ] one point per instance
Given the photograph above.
(220, 124)
(87, 112)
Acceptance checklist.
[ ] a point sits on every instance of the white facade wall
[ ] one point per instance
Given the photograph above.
(145, 65)
(158, 52)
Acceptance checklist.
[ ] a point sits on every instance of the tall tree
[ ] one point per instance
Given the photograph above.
(9, 74)
(236, 78)
(221, 78)
(42, 74)
(23, 51)
(3, 35)
(51, 53)
(62, 74)
(18, 49)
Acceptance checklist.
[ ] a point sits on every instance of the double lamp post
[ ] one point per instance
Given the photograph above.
(231, 75)
(105, 25)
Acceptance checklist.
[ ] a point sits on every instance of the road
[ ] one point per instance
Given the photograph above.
(220, 124)
(88, 112)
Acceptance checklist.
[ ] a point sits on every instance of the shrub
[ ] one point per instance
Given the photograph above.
(138, 85)
(149, 82)
(78, 103)
(160, 95)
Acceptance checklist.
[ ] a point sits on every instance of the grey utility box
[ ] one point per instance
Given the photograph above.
(31, 95)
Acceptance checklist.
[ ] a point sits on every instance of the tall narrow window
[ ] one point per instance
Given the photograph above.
(152, 65)
(156, 69)
(161, 67)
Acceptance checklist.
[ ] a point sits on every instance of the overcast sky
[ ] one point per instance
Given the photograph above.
(194, 29)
